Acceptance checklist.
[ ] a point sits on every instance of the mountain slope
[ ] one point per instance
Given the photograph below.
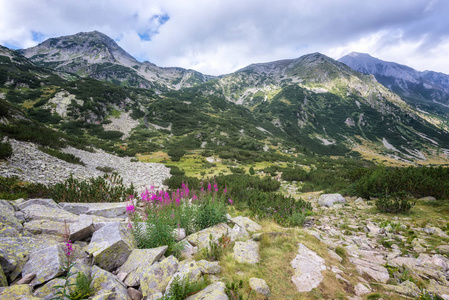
(426, 90)
(93, 54)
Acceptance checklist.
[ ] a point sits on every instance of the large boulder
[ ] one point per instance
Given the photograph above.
(246, 252)
(3, 280)
(18, 292)
(111, 245)
(47, 264)
(186, 269)
(376, 271)
(138, 261)
(246, 223)
(259, 285)
(108, 210)
(201, 238)
(48, 290)
(44, 202)
(46, 227)
(209, 267)
(9, 224)
(81, 229)
(307, 267)
(157, 276)
(215, 291)
(42, 212)
(330, 199)
(107, 286)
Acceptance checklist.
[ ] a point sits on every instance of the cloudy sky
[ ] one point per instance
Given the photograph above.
(221, 36)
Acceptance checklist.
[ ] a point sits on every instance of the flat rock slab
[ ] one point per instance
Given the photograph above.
(307, 266)
(156, 277)
(330, 199)
(215, 291)
(209, 267)
(18, 292)
(246, 223)
(138, 261)
(81, 229)
(201, 238)
(111, 245)
(108, 210)
(42, 212)
(45, 202)
(46, 227)
(47, 291)
(246, 252)
(378, 272)
(107, 286)
(7, 218)
(47, 264)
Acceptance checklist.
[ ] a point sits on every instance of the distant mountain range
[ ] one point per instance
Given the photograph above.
(313, 104)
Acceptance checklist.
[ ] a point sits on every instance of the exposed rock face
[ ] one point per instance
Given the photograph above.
(246, 223)
(330, 199)
(259, 285)
(156, 278)
(107, 210)
(246, 252)
(107, 286)
(215, 291)
(201, 238)
(308, 266)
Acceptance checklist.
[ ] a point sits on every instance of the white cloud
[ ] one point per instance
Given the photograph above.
(217, 37)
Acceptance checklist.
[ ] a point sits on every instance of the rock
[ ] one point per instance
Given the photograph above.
(361, 289)
(330, 199)
(259, 285)
(3, 280)
(307, 266)
(81, 229)
(406, 288)
(188, 250)
(111, 246)
(209, 267)
(47, 264)
(18, 292)
(15, 251)
(155, 296)
(42, 212)
(427, 198)
(186, 269)
(46, 227)
(44, 202)
(215, 291)
(359, 201)
(246, 223)
(335, 255)
(436, 288)
(107, 210)
(417, 245)
(134, 294)
(8, 220)
(201, 238)
(106, 285)
(27, 278)
(378, 272)
(47, 291)
(238, 233)
(371, 228)
(138, 261)
(246, 252)
(156, 277)
(443, 248)
(437, 231)
(180, 234)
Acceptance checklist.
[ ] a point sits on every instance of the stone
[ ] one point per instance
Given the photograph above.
(246, 223)
(361, 289)
(111, 245)
(436, 288)
(156, 277)
(259, 285)
(18, 292)
(15, 251)
(47, 291)
(7, 218)
(27, 278)
(371, 228)
(42, 212)
(359, 200)
(3, 279)
(45, 227)
(215, 291)
(238, 233)
(335, 255)
(138, 261)
(186, 269)
(45, 202)
(378, 272)
(437, 231)
(188, 250)
(201, 238)
(246, 252)
(330, 199)
(209, 267)
(180, 234)
(107, 286)
(108, 210)
(134, 294)
(443, 248)
(307, 266)
(155, 296)
(81, 229)
(406, 288)
(47, 264)
(427, 198)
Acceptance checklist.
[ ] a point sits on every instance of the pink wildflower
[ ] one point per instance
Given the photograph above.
(225, 191)
(130, 208)
(69, 248)
(209, 187)
(230, 201)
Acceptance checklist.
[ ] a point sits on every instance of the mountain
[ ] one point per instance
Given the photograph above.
(95, 55)
(428, 90)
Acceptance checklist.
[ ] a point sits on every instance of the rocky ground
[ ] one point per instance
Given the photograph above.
(32, 165)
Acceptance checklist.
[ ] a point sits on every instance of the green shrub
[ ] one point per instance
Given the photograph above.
(395, 203)
(176, 153)
(181, 288)
(105, 169)
(68, 157)
(216, 249)
(12, 188)
(106, 188)
(83, 289)
(5, 150)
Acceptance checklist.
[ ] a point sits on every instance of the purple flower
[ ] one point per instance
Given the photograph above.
(230, 201)
(209, 187)
(225, 191)
(130, 208)
(68, 248)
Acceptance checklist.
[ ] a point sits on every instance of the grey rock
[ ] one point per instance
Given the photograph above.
(3, 279)
(361, 289)
(209, 267)
(201, 238)
(107, 286)
(427, 198)
(378, 272)
(180, 234)
(246, 252)
(307, 267)
(246, 223)
(111, 245)
(81, 229)
(134, 294)
(45, 227)
(157, 276)
(107, 210)
(45, 202)
(27, 278)
(238, 233)
(330, 199)
(259, 285)
(186, 269)
(42, 212)
(138, 261)
(215, 291)
(18, 292)
(47, 264)
(47, 291)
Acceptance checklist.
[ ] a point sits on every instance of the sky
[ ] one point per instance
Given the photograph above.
(221, 36)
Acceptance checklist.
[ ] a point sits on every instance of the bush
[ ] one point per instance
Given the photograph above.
(181, 288)
(12, 188)
(176, 153)
(106, 188)
(5, 150)
(70, 158)
(395, 203)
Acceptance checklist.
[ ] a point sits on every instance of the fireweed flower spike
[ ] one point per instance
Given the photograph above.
(230, 201)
